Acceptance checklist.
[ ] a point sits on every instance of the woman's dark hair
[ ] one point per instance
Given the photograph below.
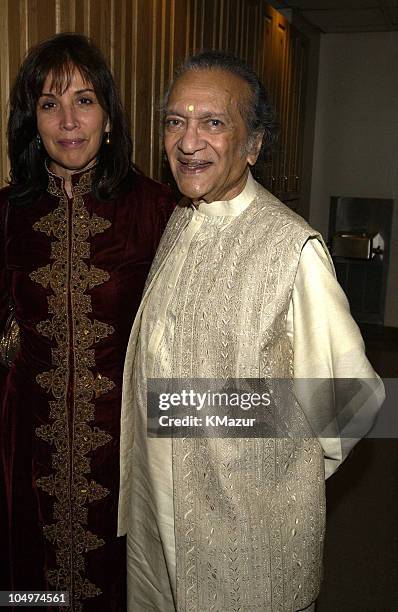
(258, 113)
(60, 56)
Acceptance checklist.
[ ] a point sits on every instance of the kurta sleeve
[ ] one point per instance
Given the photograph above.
(335, 384)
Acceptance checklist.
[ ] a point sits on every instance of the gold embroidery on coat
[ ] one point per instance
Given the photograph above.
(71, 435)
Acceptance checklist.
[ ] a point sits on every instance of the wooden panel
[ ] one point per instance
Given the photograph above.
(180, 32)
(266, 170)
(45, 16)
(142, 124)
(144, 40)
(81, 17)
(296, 77)
(127, 61)
(66, 16)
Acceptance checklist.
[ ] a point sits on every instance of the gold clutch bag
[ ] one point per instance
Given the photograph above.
(9, 340)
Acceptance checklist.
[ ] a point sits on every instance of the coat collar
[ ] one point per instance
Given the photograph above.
(81, 181)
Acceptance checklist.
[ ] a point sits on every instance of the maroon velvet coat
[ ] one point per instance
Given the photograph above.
(77, 269)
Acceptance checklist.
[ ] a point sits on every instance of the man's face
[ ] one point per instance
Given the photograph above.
(205, 136)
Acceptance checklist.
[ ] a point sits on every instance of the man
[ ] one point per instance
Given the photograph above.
(241, 288)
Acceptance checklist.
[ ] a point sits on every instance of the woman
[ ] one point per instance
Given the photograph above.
(81, 229)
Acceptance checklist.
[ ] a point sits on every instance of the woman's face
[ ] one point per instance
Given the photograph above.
(71, 125)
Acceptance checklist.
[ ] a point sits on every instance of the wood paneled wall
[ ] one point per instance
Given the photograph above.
(144, 40)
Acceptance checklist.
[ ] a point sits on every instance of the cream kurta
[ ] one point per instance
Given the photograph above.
(317, 353)
(155, 565)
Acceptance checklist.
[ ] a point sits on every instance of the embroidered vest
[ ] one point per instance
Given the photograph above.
(249, 513)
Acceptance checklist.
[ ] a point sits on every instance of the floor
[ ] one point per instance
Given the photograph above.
(361, 548)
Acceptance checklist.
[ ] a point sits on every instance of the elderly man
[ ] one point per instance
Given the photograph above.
(241, 288)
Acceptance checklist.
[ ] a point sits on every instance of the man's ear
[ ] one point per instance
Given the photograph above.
(255, 148)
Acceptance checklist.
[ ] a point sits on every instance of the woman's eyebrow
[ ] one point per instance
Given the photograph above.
(80, 91)
(76, 93)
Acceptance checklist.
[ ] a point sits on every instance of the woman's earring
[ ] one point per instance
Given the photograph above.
(107, 138)
(38, 141)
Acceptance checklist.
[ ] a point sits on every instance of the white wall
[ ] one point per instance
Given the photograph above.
(356, 131)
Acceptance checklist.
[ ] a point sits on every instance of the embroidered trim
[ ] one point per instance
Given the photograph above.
(72, 385)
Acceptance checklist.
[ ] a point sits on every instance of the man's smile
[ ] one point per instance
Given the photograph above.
(193, 166)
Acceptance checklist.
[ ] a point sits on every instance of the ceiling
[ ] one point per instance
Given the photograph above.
(344, 15)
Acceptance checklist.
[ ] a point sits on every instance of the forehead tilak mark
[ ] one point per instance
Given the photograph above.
(190, 108)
